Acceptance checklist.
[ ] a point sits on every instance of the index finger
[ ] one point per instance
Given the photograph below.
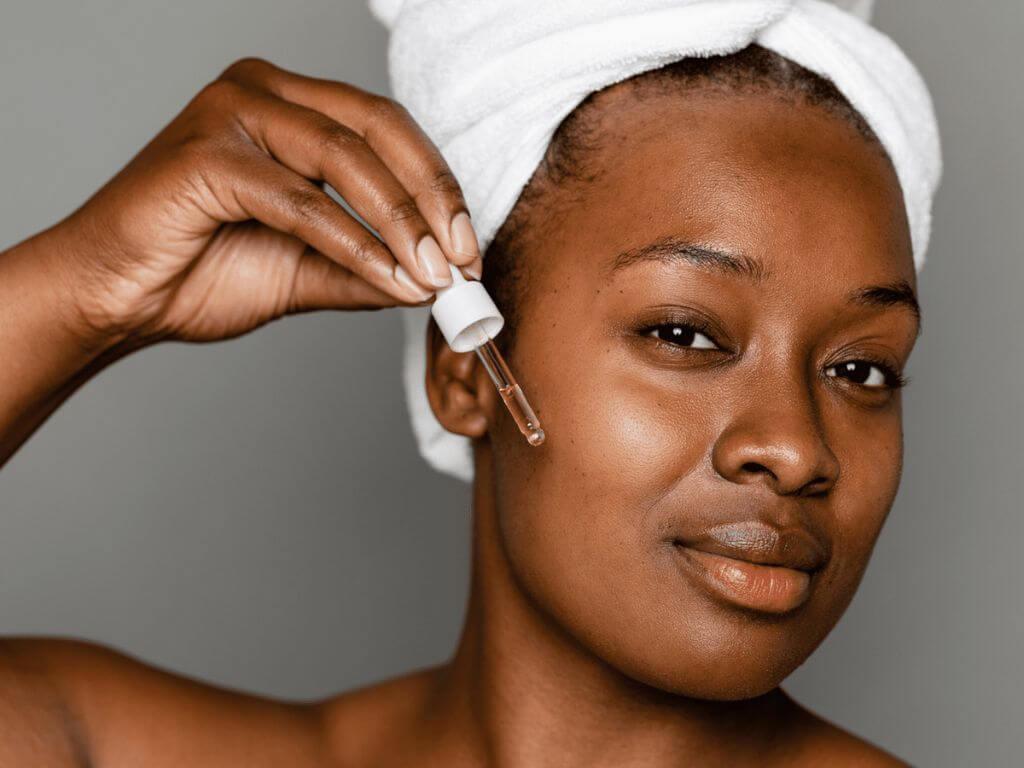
(393, 134)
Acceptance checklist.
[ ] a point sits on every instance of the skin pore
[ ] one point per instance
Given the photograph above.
(585, 643)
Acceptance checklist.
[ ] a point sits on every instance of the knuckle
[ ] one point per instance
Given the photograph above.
(248, 68)
(219, 94)
(337, 138)
(443, 182)
(201, 141)
(401, 210)
(305, 206)
(366, 250)
(381, 109)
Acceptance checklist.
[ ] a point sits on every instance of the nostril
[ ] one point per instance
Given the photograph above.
(820, 486)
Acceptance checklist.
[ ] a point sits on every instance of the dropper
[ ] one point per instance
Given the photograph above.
(469, 320)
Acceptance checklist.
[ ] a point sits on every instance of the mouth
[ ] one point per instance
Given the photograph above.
(769, 589)
(754, 565)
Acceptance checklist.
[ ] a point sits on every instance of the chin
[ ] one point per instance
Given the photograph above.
(719, 665)
(690, 645)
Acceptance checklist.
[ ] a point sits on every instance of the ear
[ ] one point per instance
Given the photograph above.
(460, 393)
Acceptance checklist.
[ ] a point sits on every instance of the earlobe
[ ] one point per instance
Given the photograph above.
(460, 394)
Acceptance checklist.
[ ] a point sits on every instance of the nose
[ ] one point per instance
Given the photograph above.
(777, 438)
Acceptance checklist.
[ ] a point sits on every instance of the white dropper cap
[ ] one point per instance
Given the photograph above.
(466, 313)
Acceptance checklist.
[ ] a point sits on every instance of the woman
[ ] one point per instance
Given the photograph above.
(709, 283)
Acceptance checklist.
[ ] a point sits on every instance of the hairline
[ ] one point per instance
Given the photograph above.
(580, 139)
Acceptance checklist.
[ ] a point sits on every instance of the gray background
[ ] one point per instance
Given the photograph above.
(234, 511)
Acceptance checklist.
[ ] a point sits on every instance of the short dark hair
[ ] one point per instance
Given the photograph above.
(565, 166)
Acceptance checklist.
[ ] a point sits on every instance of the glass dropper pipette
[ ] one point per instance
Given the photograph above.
(469, 320)
(510, 392)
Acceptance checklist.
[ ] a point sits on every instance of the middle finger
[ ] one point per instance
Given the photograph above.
(315, 146)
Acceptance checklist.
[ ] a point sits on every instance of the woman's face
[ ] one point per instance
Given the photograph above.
(689, 343)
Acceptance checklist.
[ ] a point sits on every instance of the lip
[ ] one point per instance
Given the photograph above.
(755, 565)
(762, 543)
(765, 588)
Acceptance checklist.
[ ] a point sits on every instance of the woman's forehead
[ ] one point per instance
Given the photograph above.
(783, 182)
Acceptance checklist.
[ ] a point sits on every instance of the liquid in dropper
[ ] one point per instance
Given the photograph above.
(511, 393)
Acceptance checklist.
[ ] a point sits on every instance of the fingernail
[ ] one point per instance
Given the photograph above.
(475, 268)
(464, 240)
(432, 262)
(403, 279)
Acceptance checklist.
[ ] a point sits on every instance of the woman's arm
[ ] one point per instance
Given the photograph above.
(218, 226)
(70, 704)
(47, 352)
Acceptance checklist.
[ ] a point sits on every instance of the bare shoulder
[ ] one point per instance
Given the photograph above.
(71, 703)
(381, 723)
(37, 727)
(825, 743)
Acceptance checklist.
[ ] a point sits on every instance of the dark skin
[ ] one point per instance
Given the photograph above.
(584, 644)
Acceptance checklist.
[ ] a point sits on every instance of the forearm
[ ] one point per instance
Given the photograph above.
(45, 355)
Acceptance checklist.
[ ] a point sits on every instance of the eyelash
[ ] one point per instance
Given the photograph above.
(893, 378)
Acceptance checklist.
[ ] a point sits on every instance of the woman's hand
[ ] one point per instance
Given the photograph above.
(220, 224)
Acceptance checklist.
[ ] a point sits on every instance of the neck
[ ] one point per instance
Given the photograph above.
(521, 692)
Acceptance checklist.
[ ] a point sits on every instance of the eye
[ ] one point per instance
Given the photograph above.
(867, 374)
(682, 335)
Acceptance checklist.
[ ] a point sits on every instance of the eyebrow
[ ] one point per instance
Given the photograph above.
(672, 250)
(898, 293)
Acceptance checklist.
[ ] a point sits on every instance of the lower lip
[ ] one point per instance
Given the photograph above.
(765, 588)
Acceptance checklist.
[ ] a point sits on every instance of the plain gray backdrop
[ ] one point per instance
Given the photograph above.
(254, 512)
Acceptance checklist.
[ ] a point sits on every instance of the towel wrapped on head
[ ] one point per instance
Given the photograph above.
(490, 81)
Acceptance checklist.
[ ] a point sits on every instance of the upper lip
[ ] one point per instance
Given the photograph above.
(762, 543)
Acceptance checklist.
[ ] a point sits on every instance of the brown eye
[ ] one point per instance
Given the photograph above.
(682, 335)
(866, 374)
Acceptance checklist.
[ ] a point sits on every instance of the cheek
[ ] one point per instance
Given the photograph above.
(616, 445)
(870, 451)
(578, 533)
(621, 438)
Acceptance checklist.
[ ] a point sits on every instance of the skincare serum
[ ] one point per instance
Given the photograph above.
(469, 319)
(511, 392)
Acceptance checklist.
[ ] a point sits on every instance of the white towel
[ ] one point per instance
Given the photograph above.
(490, 80)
